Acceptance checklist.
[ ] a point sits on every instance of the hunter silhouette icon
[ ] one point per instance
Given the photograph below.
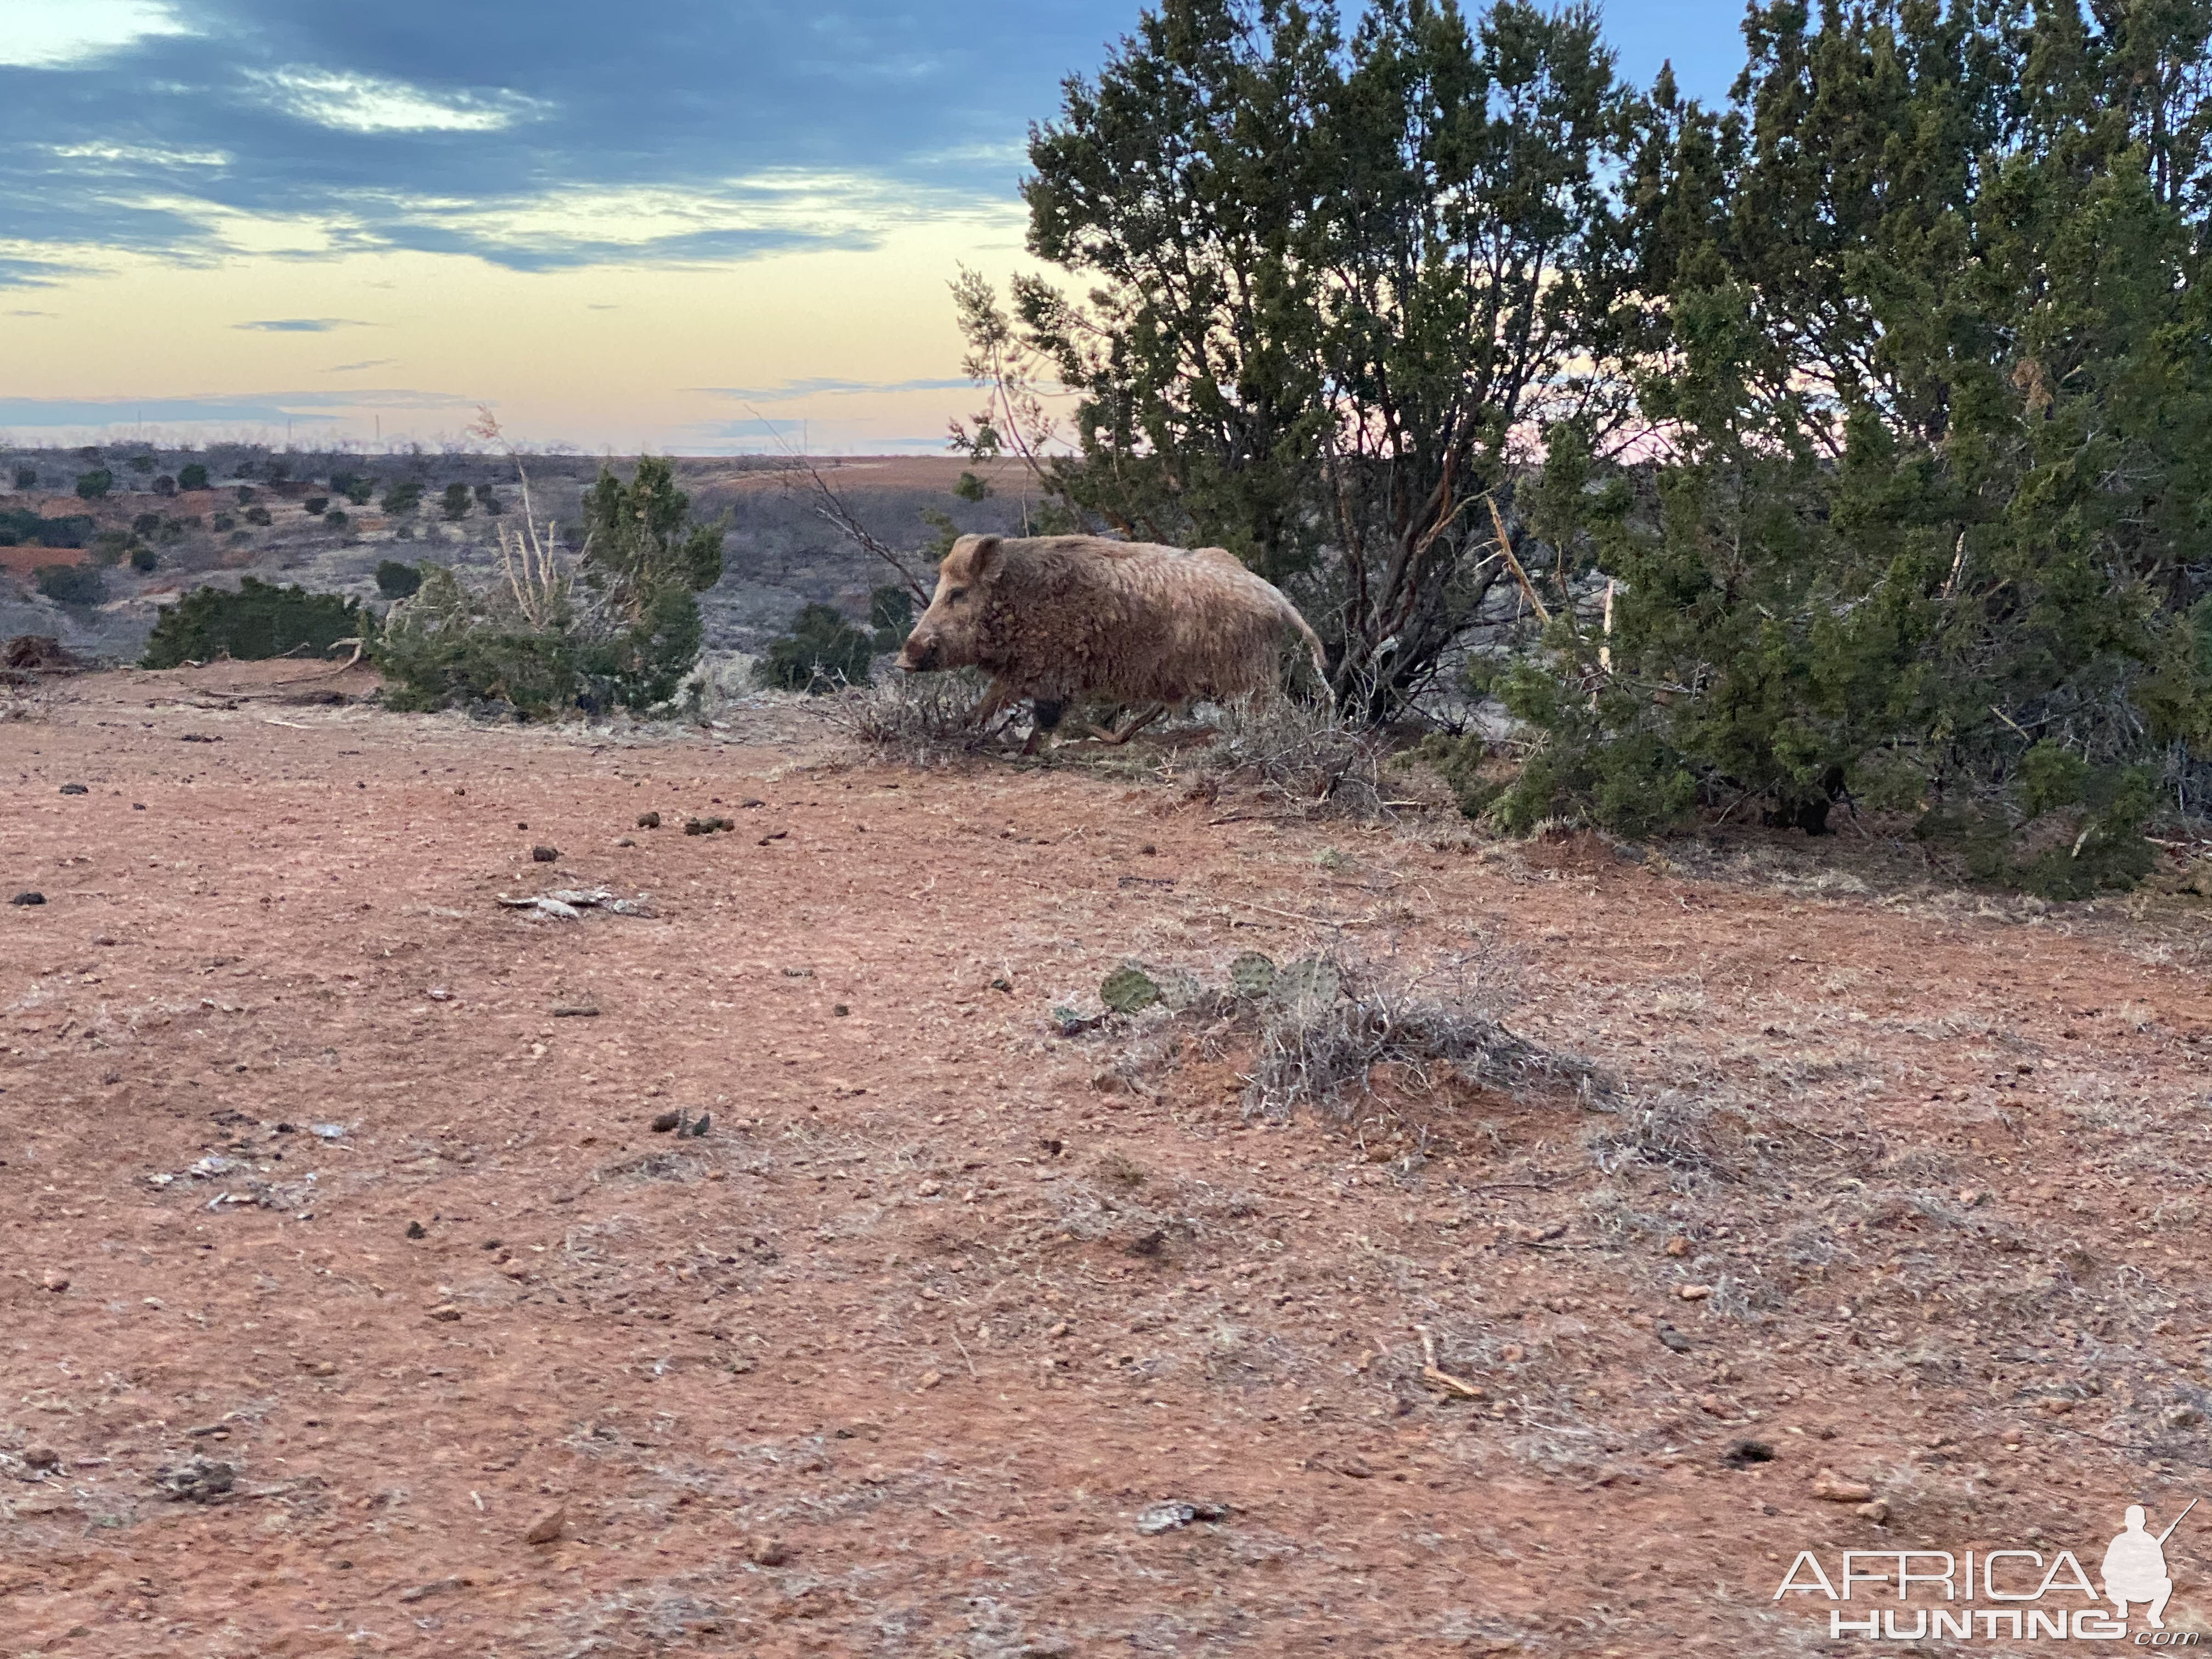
(2134, 1566)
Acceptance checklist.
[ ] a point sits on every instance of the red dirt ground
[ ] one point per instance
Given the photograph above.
(890, 1360)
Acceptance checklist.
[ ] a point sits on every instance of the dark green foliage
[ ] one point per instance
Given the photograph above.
(315, 506)
(260, 620)
(1332, 276)
(488, 498)
(146, 524)
(890, 613)
(401, 497)
(969, 487)
(220, 522)
(192, 475)
(164, 485)
(144, 559)
(354, 487)
(95, 484)
(109, 546)
(455, 502)
(336, 519)
(821, 653)
(640, 536)
(256, 514)
(142, 463)
(27, 477)
(247, 494)
(20, 527)
(72, 584)
(395, 580)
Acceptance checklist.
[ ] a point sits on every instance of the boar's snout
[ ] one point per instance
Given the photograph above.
(918, 655)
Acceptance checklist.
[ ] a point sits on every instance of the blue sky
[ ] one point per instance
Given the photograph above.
(320, 188)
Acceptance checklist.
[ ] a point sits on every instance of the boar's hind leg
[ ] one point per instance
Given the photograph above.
(1132, 727)
(1047, 720)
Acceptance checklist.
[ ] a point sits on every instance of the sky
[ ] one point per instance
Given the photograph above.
(694, 226)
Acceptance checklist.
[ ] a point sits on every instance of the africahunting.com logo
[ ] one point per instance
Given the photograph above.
(2003, 1594)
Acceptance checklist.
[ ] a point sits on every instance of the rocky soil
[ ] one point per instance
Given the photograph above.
(772, 1270)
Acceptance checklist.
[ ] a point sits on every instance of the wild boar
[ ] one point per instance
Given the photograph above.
(1059, 618)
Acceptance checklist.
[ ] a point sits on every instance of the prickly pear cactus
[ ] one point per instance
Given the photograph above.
(1253, 975)
(1127, 989)
(1313, 982)
(1178, 990)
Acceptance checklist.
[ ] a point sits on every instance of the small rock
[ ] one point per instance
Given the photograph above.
(439, 993)
(2054, 1407)
(1175, 1514)
(1672, 1339)
(28, 898)
(446, 1311)
(547, 1526)
(929, 1189)
(1712, 1405)
(1678, 1247)
(196, 1481)
(1513, 1353)
(2184, 1417)
(433, 1588)
(542, 854)
(648, 820)
(55, 1282)
(320, 1367)
(1877, 1512)
(1693, 1292)
(927, 1380)
(43, 1457)
(666, 1121)
(576, 1010)
(625, 841)
(1830, 1488)
(416, 1229)
(74, 789)
(768, 1553)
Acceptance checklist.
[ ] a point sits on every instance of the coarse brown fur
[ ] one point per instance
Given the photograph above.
(1062, 618)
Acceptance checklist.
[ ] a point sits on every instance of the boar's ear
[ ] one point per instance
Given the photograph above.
(984, 557)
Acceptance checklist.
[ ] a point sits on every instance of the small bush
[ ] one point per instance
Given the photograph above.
(260, 620)
(922, 719)
(822, 652)
(488, 498)
(109, 546)
(144, 559)
(27, 477)
(223, 521)
(256, 514)
(146, 524)
(316, 506)
(401, 497)
(336, 519)
(247, 494)
(456, 501)
(395, 580)
(95, 484)
(72, 584)
(193, 476)
(20, 526)
(164, 485)
(1306, 758)
(142, 463)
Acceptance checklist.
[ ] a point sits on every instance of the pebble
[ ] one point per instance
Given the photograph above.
(74, 789)
(1678, 1247)
(446, 1311)
(55, 1282)
(768, 1552)
(666, 1121)
(547, 1526)
(43, 1457)
(1693, 1292)
(544, 854)
(648, 820)
(1830, 1488)
(28, 898)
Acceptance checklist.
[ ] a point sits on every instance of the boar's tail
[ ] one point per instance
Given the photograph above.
(1314, 650)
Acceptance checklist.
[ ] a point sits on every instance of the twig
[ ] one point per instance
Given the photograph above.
(963, 1346)
(1505, 546)
(831, 506)
(1431, 1372)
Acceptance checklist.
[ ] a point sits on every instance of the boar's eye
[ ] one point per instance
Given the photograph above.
(956, 596)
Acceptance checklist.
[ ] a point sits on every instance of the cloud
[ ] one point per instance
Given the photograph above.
(33, 273)
(792, 390)
(372, 362)
(349, 102)
(30, 313)
(48, 33)
(695, 132)
(266, 408)
(300, 324)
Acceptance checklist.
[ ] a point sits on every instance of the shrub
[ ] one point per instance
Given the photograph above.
(316, 506)
(142, 463)
(193, 476)
(246, 493)
(27, 477)
(72, 584)
(402, 496)
(221, 522)
(145, 559)
(488, 498)
(455, 502)
(395, 580)
(256, 514)
(259, 620)
(336, 519)
(109, 546)
(355, 489)
(821, 653)
(95, 484)
(922, 719)
(164, 485)
(146, 524)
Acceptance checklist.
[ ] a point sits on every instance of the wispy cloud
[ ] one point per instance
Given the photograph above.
(792, 390)
(346, 100)
(371, 362)
(299, 324)
(271, 408)
(51, 33)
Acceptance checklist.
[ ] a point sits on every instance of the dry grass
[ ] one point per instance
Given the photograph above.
(1307, 758)
(922, 719)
